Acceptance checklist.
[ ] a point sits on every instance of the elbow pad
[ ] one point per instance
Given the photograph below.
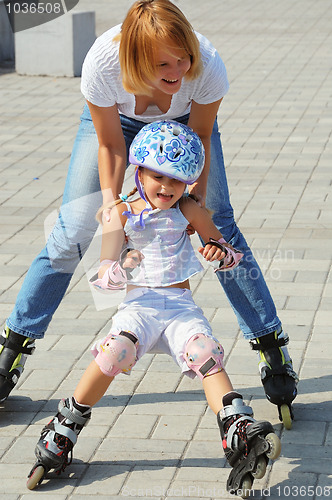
(230, 261)
(115, 277)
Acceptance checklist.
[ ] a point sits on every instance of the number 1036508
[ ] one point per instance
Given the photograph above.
(304, 491)
(34, 8)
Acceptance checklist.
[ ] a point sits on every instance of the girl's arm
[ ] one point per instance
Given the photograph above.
(200, 220)
(112, 155)
(115, 265)
(201, 120)
(113, 237)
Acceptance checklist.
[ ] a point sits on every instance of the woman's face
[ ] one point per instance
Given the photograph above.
(172, 65)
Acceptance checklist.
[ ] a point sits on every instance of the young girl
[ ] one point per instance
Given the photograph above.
(148, 235)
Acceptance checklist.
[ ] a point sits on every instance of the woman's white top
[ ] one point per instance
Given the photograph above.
(101, 82)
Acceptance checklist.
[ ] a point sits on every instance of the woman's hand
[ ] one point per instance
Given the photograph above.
(190, 230)
(199, 192)
(106, 215)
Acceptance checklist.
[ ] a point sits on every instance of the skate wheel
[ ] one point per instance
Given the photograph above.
(274, 446)
(260, 468)
(246, 486)
(286, 416)
(36, 477)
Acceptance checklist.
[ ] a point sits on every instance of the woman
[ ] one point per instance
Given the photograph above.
(153, 67)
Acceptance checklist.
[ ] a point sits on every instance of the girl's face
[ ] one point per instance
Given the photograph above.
(161, 191)
(172, 64)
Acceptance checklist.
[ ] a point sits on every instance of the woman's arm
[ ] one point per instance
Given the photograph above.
(201, 120)
(112, 156)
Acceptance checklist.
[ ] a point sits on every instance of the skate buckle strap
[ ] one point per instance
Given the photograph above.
(129, 336)
(11, 376)
(271, 372)
(257, 346)
(6, 342)
(232, 436)
(283, 370)
(63, 430)
(236, 408)
(292, 374)
(66, 412)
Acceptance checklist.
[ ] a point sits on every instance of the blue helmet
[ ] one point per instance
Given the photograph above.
(169, 148)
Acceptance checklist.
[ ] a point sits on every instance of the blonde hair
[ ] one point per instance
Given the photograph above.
(147, 26)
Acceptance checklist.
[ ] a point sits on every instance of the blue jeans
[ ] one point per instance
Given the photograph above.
(50, 273)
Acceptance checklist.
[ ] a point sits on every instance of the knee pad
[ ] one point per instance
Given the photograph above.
(116, 353)
(204, 355)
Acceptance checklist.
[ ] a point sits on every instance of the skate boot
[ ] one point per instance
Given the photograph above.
(247, 444)
(14, 349)
(57, 439)
(277, 374)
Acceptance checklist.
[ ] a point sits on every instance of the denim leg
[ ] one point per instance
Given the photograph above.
(245, 286)
(50, 273)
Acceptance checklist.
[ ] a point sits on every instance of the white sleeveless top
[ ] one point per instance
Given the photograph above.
(101, 82)
(169, 257)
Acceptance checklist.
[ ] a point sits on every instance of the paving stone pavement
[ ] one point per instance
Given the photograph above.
(152, 434)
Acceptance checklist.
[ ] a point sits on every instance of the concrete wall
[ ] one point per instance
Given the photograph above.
(56, 48)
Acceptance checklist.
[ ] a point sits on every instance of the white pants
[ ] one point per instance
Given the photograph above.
(163, 321)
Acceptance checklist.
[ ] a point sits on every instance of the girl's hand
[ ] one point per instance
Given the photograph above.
(211, 252)
(227, 260)
(132, 259)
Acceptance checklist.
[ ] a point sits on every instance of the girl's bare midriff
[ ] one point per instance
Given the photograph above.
(184, 284)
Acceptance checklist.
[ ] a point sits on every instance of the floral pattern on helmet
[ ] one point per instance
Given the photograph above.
(169, 148)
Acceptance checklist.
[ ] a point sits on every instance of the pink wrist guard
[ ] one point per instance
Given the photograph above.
(230, 261)
(115, 278)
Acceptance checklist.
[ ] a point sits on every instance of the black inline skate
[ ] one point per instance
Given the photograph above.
(247, 444)
(58, 437)
(14, 349)
(277, 374)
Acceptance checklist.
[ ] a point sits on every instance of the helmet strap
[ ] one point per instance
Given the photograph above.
(138, 225)
(139, 186)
